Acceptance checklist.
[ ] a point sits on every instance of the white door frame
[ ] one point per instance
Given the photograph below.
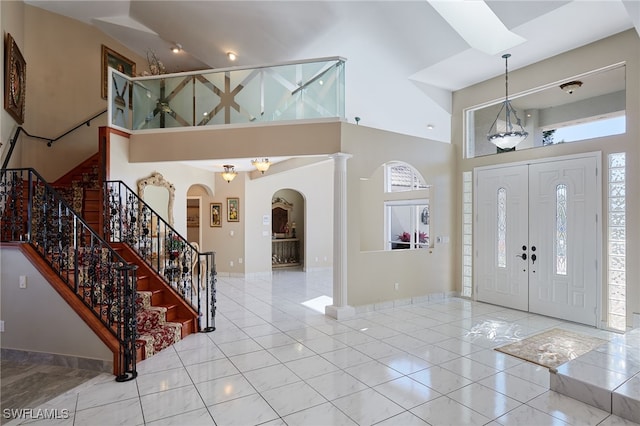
(599, 233)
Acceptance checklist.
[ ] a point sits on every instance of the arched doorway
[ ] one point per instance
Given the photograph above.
(287, 227)
(197, 212)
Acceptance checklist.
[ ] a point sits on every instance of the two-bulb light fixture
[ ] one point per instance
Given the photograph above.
(229, 173)
(262, 164)
(507, 135)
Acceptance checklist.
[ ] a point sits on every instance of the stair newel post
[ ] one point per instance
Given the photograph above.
(209, 293)
(127, 352)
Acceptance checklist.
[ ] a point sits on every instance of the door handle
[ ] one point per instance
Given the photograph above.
(533, 258)
(522, 256)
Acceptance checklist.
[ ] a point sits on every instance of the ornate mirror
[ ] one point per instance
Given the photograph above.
(158, 194)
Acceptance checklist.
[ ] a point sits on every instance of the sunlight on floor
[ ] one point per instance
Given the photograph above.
(318, 303)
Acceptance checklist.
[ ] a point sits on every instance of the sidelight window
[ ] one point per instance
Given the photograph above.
(561, 229)
(502, 228)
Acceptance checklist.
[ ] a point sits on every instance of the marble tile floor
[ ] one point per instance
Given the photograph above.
(275, 361)
(27, 385)
(607, 377)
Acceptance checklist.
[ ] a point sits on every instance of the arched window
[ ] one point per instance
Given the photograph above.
(403, 177)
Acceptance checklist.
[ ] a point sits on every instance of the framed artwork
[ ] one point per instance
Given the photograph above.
(113, 59)
(215, 215)
(233, 210)
(15, 80)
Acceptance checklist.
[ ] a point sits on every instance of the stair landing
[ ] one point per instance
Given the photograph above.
(608, 377)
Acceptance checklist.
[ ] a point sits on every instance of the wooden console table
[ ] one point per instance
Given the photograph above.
(285, 252)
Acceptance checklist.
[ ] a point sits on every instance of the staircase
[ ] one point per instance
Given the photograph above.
(162, 317)
(83, 268)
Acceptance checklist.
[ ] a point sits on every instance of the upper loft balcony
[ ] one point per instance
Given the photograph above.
(231, 97)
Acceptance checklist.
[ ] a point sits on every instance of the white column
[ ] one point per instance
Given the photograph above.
(340, 309)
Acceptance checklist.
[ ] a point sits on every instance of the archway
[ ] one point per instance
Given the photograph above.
(287, 228)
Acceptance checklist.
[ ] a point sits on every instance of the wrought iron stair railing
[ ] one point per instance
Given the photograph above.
(34, 212)
(190, 273)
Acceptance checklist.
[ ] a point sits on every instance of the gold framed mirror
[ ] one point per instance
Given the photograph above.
(159, 194)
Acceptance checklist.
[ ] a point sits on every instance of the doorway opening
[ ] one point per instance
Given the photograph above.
(287, 229)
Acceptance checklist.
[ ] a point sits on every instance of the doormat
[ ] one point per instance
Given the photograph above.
(552, 348)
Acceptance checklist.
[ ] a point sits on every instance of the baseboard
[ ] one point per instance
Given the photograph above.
(424, 299)
(68, 361)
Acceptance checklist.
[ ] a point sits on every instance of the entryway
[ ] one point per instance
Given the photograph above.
(537, 237)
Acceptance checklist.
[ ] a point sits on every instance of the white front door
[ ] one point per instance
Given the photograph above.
(502, 231)
(562, 279)
(536, 238)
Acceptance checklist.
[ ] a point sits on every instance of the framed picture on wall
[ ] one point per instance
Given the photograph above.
(15, 80)
(233, 210)
(113, 59)
(215, 215)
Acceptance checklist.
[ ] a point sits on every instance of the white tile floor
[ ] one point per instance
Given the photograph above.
(274, 361)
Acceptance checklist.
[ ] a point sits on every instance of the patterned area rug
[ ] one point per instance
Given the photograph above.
(552, 348)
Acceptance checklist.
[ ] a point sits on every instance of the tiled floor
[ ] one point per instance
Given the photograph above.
(274, 361)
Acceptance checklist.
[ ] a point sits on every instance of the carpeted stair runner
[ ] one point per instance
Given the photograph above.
(154, 332)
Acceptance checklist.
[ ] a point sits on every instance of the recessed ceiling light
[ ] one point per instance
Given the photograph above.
(232, 56)
(430, 126)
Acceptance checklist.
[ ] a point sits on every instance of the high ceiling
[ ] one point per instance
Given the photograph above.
(403, 57)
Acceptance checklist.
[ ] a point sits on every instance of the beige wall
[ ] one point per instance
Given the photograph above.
(372, 274)
(623, 47)
(315, 183)
(229, 241)
(63, 88)
(37, 319)
(241, 141)
(12, 18)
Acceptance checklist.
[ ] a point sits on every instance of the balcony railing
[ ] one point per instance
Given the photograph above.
(302, 90)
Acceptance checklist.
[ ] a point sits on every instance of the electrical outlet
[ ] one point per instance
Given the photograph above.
(231, 263)
(396, 286)
(240, 260)
(23, 281)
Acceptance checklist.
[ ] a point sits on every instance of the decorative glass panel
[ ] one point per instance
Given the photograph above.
(616, 175)
(467, 238)
(617, 159)
(617, 235)
(561, 229)
(502, 228)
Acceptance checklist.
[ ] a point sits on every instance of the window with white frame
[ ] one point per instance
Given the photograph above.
(407, 224)
(407, 215)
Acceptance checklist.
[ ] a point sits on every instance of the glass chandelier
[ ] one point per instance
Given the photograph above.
(507, 135)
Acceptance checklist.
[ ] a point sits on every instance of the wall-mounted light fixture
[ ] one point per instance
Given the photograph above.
(229, 172)
(176, 48)
(509, 134)
(262, 164)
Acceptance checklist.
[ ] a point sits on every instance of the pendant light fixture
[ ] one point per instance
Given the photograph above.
(262, 164)
(229, 173)
(509, 134)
